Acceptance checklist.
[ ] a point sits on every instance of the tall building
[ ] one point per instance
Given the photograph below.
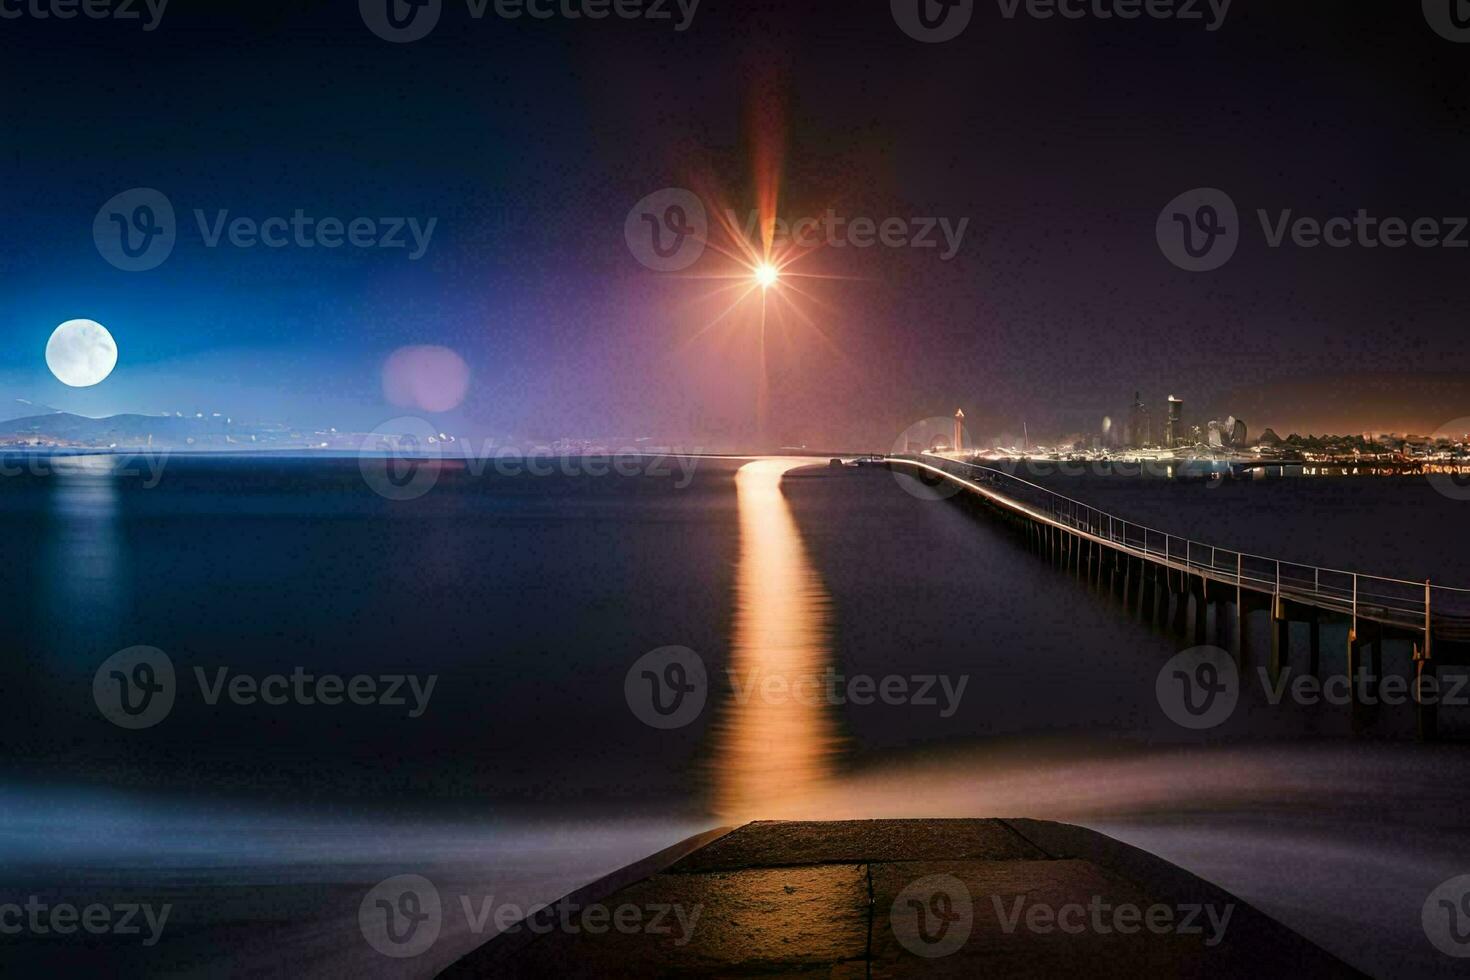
(1174, 425)
(959, 430)
(1138, 434)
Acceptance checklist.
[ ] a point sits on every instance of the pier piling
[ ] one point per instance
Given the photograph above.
(1314, 635)
(1280, 638)
(1201, 611)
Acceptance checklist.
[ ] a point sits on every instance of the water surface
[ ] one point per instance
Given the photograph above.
(528, 775)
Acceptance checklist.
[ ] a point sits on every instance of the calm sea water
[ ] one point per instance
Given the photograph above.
(528, 770)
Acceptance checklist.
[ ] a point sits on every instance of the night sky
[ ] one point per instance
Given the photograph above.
(529, 141)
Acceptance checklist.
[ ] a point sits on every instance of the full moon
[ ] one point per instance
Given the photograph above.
(81, 353)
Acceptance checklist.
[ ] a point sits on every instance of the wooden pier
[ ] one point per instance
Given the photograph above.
(1161, 571)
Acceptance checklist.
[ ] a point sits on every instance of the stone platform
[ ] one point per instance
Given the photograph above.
(901, 898)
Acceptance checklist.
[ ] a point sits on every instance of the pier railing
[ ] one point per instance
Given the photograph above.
(1391, 601)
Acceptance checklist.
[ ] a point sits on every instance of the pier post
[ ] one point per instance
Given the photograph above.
(1242, 632)
(1181, 602)
(1375, 660)
(1159, 611)
(1201, 611)
(1425, 676)
(1314, 630)
(1280, 638)
(1239, 613)
(1352, 661)
(1354, 665)
(1146, 590)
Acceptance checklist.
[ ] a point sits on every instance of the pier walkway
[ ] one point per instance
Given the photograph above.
(904, 898)
(1441, 611)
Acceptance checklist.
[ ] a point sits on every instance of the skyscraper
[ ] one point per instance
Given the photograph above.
(959, 430)
(1174, 426)
(1138, 434)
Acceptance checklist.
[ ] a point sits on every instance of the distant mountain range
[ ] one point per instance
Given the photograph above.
(20, 408)
(63, 429)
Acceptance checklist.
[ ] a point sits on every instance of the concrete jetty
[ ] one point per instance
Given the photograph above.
(900, 898)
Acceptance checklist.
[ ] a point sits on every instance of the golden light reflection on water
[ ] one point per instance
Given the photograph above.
(777, 739)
